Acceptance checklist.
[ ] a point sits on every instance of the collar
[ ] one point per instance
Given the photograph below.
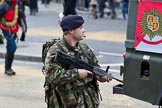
(76, 48)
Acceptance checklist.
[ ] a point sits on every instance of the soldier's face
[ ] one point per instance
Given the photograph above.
(78, 33)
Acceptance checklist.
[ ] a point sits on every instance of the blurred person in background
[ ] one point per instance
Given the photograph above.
(112, 4)
(69, 7)
(101, 7)
(33, 6)
(22, 4)
(10, 26)
(93, 4)
(87, 2)
(46, 1)
(124, 8)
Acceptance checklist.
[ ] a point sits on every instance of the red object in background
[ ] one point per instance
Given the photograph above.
(9, 15)
(145, 6)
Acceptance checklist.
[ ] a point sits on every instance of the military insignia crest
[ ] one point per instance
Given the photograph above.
(152, 24)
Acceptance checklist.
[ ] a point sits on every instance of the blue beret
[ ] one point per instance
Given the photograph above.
(71, 22)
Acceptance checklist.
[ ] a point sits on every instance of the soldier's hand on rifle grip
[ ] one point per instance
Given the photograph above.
(84, 73)
(102, 79)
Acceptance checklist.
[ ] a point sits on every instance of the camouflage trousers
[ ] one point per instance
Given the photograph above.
(86, 98)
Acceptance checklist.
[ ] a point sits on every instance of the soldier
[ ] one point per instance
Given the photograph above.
(68, 87)
(9, 26)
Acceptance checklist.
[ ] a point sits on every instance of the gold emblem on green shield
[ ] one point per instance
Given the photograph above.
(152, 24)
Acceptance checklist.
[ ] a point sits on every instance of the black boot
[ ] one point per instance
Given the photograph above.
(95, 15)
(22, 37)
(8, 63)
(1, 39)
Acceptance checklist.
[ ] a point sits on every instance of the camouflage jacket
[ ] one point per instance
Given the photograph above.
(67, 90)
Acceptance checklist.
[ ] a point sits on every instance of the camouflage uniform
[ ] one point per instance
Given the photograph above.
(67, 90)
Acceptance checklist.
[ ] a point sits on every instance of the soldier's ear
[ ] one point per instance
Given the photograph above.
(71, 31)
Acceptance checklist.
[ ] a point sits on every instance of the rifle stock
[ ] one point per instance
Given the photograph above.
(78, 63)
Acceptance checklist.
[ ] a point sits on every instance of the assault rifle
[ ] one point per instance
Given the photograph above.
(78, 63)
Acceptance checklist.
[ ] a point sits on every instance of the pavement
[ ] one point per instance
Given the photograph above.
(25, 89)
